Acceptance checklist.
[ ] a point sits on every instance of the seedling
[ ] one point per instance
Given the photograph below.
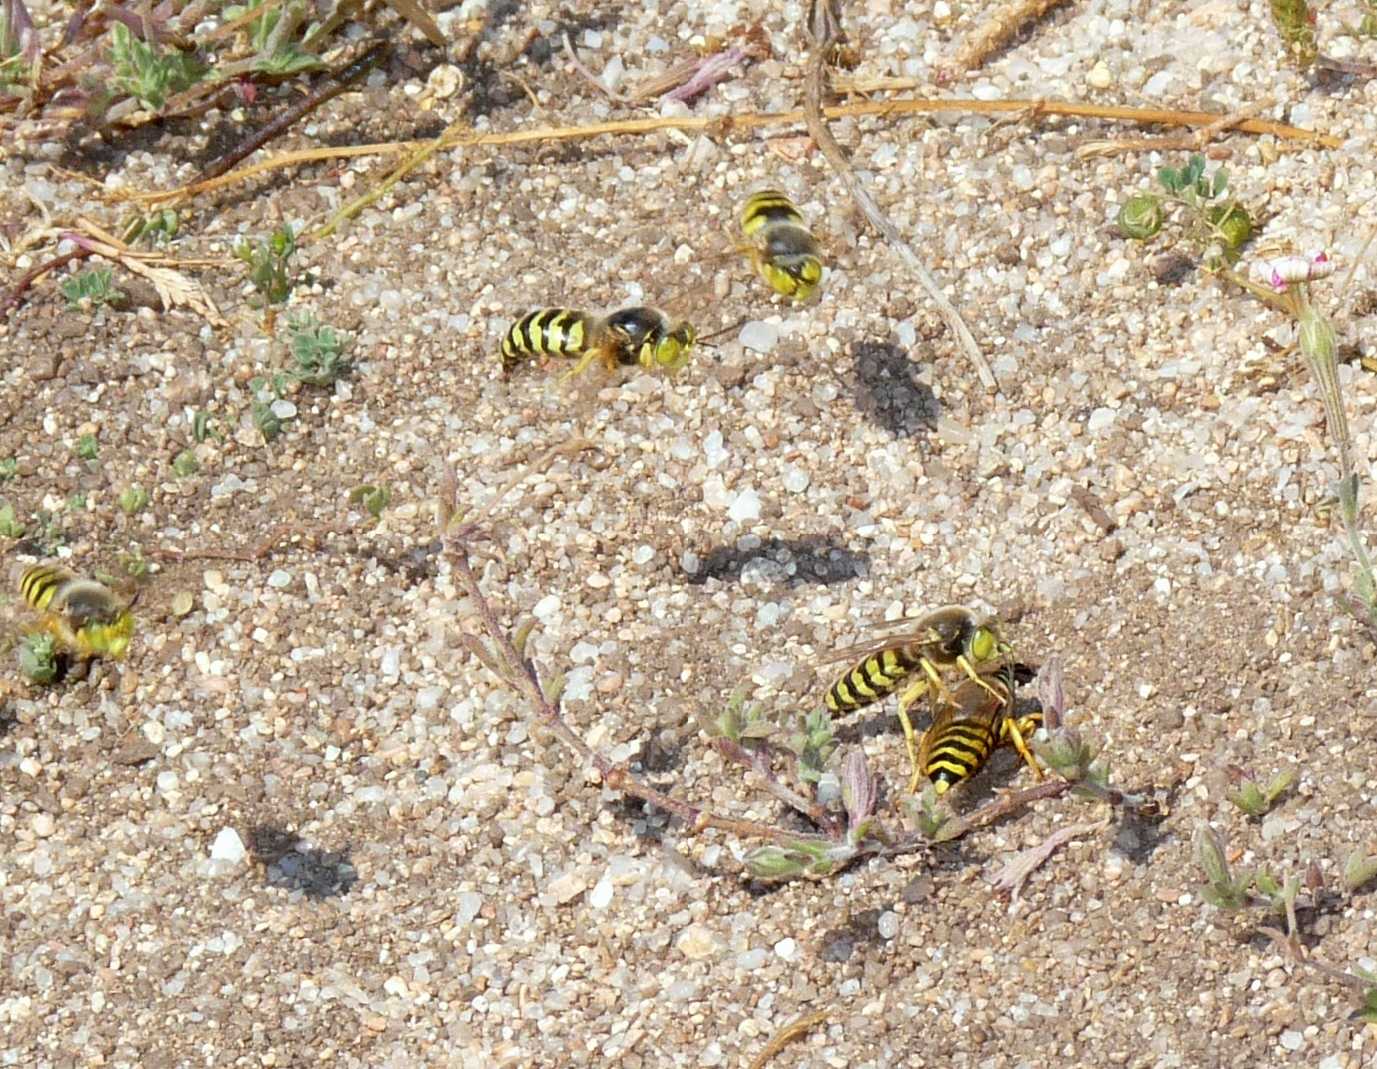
(318, 351)
(268, 261)
(91, 289)
(1215, 222)
(814, 743)
(185, 464)
(9, 468)
(133, 499)
(39, 658)
(201, 428)
(1255, 800)
(741, 723)
(1295, 23)
(156, 229)
(271, 36)
(1359, 869)
(147, 74)
(373, 498)
(1222, 888)
(10, 527)
(87, 448)
(134, 563)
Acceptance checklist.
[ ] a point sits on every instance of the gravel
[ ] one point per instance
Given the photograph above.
(300, 824)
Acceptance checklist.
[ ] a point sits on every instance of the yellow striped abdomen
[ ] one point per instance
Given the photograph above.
(785, 253)
(956, 752)
(39, 583)
(875, 677)
(767, 207)
(546, 332)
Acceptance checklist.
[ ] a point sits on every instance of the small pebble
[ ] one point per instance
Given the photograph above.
(601, 895)
(228, 847)
(745, 508)
(758, 336)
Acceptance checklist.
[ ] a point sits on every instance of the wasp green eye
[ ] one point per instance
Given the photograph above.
(985, 644)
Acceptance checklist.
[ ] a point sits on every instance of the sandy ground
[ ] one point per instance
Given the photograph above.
(427, 880)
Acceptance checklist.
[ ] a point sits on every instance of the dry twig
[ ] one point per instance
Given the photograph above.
(338, 83)
(518, 672)
(460, 137)
(825, 29)
(786, 1035)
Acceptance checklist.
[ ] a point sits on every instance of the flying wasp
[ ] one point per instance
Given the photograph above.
(952, 636)
(784, 252)
(84, 616)
(977, 719)
(631, 336)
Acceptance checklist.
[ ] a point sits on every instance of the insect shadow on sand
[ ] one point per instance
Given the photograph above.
(889, 392)
(295, 866)
(812, 560)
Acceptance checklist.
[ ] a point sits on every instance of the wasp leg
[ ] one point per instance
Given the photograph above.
(965, 665)
(929, 682)
(1016, 731)
(911, 742)
(62, 633)
(578, 369)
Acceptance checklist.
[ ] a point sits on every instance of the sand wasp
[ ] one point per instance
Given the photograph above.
(84, 616)
(640, 335)
(952, 636)
(785, 254)
(977, 719)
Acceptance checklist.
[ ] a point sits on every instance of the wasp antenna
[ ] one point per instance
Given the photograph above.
(725, 330)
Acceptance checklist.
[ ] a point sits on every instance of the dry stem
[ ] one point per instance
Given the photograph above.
(751, 120)
(827, 35)
(786, 1035)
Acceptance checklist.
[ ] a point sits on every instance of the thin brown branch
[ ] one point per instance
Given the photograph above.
(588, 76)
(339, 82)
(249, 554)
(1293, 949)
(21, 286)
(993, 34)
(1018, 868)
(1197, 142)
(724, 125)
(827, 35)
(758, 761)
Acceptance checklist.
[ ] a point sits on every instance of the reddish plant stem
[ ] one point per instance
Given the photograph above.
(758, 761)
(16, 294)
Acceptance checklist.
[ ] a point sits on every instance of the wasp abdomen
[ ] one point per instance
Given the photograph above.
(546, 332)
(874, 678)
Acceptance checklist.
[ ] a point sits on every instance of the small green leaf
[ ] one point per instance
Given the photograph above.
(1140, 217)
(185, 464)
(1170, 178)
(133, 499)
(38, 658)
(9, 467)
(1221, 182)
(10, 527)
(1359, 868)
